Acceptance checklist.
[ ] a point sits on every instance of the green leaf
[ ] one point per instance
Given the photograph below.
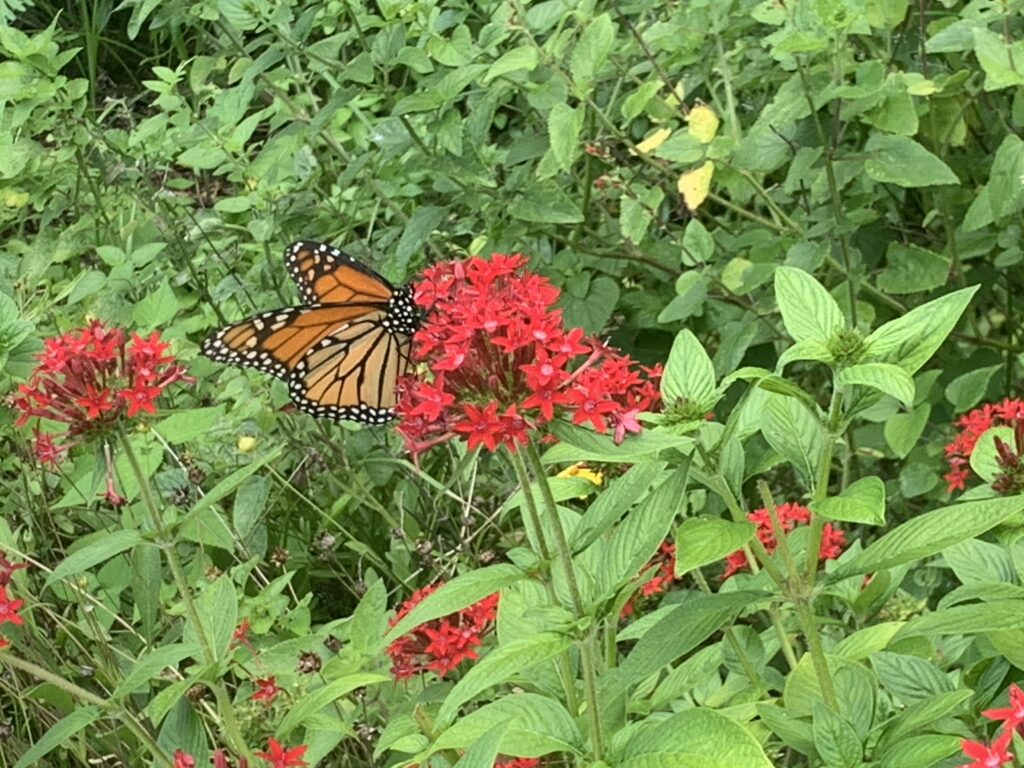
(591, 53)
(101, 548)
(230, 483)
(459, 593)
(885, 377)
(182, 426)
(1000, 60)
(903, 430)
(921, 714)
(636, 213)
(910, 340)
(312, 702)
(808, 310)
(929, 534)
(704, 540)
(902, 161)
(796, 434)
(920, 751)
(536, 725)
(217, 607)
(971, 619)
(979, 562)
(424, 220)
(835, 739)
(984, 457)
(635, 540)
(151, 666)
(592, 311)
(483, 753)
(250, 504)
(689, 374)
(157, 308)
(515, 60)
(499, 666)
(546, 203)
(697, 242)
(910, 678)
(564, 125)
(967, 390)
(581, 444)
(912, 269)
(59, 734)
(1006, 192)
(614, 500)
(681, 630)
(366, 632)
(700, 731)
(862, 501)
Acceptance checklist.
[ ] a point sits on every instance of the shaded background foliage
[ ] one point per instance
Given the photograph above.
(156, 157)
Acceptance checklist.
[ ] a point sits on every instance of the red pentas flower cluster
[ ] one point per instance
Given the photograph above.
(660, 581)
(277, 755)
(790, 516)
(1009, 413)
(91, 379)
(442, 644)
(502, 363)
(996, 754)
(9, 607)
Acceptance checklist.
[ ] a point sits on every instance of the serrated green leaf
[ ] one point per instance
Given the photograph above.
(704, 540)
(591, 52)
(863, 501)
(909, 341)
(808, 310)
(929, 534)
(689, 374)
(101, 548)
(902, 161)
(885, 377)
(564, 126)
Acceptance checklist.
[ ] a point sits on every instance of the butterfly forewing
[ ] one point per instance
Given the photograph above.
(327, 275)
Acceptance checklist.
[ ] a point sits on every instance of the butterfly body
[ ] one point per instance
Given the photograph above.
(343, 352)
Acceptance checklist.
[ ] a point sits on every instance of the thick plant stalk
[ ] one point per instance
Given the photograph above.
(563, 554)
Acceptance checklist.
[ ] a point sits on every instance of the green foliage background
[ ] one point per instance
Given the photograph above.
(156, 157)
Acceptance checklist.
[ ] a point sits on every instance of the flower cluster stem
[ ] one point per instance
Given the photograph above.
(224, 706)
(565, 672)
(563, 553)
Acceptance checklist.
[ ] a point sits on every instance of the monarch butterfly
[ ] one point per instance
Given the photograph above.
(343, 352)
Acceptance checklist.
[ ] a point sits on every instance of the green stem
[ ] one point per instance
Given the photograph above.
(89, 698)
(564, 555)
(564, 660)
(167, 545)
(166, 542)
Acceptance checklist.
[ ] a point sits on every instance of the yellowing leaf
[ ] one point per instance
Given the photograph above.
(652, 142)
(14, 198)
(703, 123)
(246, 444)
(675, 98)
(694, 185)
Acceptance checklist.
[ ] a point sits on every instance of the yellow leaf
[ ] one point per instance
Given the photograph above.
(14, 198)
(246, 444)
(675, 98)
(703, 123)
(652, 142)
(694, 185)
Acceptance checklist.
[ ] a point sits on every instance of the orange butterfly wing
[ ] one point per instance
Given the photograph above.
(327, 275)
(343, 353)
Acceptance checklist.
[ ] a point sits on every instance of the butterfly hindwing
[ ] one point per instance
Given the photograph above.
(352, 373)
(327, 275)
